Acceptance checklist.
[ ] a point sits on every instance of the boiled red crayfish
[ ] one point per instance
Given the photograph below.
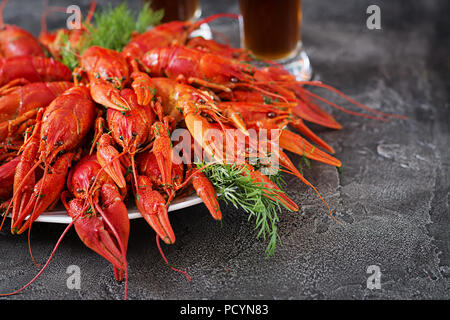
(108, 135)
(15, 41)
(53, 40)
(59, 130)
(19, 104)
(99, 212)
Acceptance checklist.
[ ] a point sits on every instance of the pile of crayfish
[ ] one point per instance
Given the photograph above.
(93, 138)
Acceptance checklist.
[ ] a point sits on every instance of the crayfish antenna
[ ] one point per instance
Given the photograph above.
(381, 115)
(48, 9)
(211, 18)
(32, 216)
(255, 86)
(291, 169)
(91, 12)
(44, 18)
(2, 8)
(44, 267)
(167, 262)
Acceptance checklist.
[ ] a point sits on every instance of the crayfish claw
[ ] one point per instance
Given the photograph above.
(152, 207)
(94, 235)
(142, 86)
(105, 94)
(205, 190)
(108, 157)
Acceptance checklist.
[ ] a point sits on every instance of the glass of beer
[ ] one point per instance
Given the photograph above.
(271, 30)
(182, 10)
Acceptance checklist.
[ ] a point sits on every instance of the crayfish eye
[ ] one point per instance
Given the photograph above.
(134, 134)
(79, 190)
(234, 80)
(271, 115)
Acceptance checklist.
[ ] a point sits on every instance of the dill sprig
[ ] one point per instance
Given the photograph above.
(112, 29)
(69, 54)
(234, 185)
(114, 25)
(305, 160)
(147, 17)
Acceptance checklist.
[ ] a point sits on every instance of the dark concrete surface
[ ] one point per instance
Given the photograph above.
(392, 195)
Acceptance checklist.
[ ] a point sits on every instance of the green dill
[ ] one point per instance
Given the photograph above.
(114, 25)
(234, 185)
(112, 29)
(278, 180)
(69, 54)
(304, 159)
(147, 18)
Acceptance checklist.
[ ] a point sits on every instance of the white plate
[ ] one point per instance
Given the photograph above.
(60, 216)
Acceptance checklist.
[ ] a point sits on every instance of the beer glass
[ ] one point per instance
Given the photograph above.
(271, 30)
(182, 10)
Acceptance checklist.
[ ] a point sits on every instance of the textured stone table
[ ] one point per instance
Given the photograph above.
(392, 195)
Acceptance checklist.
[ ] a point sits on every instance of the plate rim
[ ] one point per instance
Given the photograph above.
(61, 216)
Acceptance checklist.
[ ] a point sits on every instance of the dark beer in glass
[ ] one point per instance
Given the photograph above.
(183, 10)
(271, 28)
